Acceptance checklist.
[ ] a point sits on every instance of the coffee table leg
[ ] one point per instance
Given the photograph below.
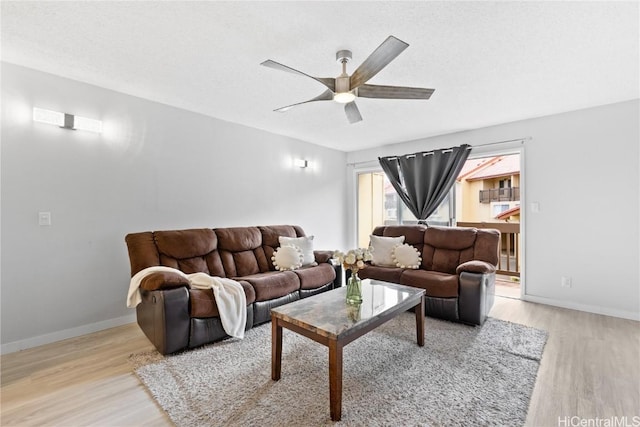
(335, 380)
(276, 349)
(420, 322)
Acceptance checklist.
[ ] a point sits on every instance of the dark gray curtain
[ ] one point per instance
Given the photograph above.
(422, 180)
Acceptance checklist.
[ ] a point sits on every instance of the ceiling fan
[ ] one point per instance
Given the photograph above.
(344, 89)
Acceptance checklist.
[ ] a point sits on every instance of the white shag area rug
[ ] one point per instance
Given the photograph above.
(463, 376)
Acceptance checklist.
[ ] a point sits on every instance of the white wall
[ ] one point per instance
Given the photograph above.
(154, 167)
(580, 167)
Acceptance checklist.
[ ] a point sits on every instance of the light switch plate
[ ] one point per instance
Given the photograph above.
(44, 218)
(535, 207)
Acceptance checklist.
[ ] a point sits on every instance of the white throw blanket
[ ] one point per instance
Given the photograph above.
(229, 296)
(230, 299)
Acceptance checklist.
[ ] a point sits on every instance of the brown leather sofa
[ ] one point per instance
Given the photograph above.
(174, 317)
(457, 270)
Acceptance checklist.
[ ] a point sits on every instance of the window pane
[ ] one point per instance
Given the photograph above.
(441, 215)
(391, 200)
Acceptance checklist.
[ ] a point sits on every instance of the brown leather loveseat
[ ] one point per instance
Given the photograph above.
(174, 317)
(457, 269)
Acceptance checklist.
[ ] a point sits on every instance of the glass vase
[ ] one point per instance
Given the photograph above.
(354, 289)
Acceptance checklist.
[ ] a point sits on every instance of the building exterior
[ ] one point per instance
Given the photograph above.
(487, 188)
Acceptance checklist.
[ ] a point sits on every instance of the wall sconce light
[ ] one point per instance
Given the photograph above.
(66, 121)
(301, 163)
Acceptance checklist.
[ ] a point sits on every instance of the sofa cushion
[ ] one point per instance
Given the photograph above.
(241, 251)
(191, 251)
(181, 244)
(315, 276)
(273, 284)
(387, 274)
(435, 284)
(305, 244)
(455, 238)
(382, 247)
(238, 239)
(447, 247)
(246, 262)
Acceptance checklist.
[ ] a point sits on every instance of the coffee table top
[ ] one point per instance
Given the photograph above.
(327, 314)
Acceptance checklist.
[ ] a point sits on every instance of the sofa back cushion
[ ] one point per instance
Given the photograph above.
(143, 252)
(445, 248)
(486, 248)
(191, 251)
(222, 252)
(241, 251)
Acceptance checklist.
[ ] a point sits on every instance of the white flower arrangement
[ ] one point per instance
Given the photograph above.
(354, 259)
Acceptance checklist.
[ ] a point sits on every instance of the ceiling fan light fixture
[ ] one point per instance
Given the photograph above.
(344, 97)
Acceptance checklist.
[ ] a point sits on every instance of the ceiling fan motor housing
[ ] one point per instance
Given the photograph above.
(343, 56)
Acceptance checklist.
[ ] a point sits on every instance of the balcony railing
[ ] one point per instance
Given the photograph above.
(509, 249)
(507, 194)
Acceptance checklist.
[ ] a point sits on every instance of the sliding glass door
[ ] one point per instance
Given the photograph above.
(485, 195)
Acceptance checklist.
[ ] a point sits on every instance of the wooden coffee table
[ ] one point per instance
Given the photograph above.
(326, 318)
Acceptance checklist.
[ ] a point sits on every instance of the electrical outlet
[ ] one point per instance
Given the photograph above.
(565, 282)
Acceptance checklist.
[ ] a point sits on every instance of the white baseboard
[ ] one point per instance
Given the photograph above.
(606, 311)
(14, 346)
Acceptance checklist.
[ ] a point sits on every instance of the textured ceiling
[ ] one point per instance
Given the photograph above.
(489, 62)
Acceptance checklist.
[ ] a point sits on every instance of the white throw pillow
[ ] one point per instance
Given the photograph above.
(406, 256)
(305, 244)
(287, 258)
(382, 248)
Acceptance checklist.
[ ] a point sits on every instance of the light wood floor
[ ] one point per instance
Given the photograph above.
(590, 368)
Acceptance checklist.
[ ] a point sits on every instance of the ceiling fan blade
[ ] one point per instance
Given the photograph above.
(327, 95)
(329, 82)
(353, 114)
(380, 58)
(394, 92)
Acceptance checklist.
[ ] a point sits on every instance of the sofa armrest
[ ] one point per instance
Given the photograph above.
(475, 266)
(161, 280)
(475, 296)
(323, 256)
(164, 318)
(327, 257)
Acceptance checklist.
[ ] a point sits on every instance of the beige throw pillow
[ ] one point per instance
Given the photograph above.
(382, 248)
